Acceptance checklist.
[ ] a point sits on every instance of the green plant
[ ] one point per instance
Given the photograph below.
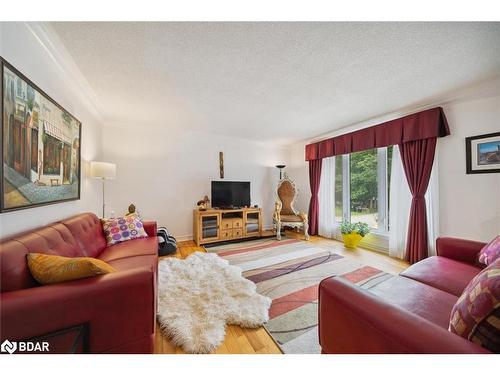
(346, 227)
(361, 228)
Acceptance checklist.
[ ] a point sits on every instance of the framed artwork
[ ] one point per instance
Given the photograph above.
(40, 141)
(483, 153)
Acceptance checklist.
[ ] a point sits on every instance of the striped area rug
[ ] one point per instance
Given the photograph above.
(289, 272)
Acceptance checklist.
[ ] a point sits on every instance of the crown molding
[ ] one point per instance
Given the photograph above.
(76, 81)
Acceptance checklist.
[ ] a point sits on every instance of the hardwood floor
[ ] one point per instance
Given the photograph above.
(257, 341)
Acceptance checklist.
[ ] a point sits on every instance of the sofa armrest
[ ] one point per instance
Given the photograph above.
(118, 308)
(459, 249)
(150, 227)
(354, 321)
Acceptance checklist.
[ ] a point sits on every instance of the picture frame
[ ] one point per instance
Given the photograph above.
(483, 153)
(40, 156)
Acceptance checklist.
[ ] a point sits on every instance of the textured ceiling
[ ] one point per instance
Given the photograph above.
(278, 82)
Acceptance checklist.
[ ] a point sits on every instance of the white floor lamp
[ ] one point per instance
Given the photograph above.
(104, 171)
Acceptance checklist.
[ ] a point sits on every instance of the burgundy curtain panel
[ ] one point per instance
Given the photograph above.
(314, 179)
(417, 158)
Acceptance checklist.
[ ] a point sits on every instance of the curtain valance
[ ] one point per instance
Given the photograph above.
(430, 123)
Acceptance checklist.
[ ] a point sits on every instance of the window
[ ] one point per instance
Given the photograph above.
(51, 155)
(339, 188)
(389, 168)
(19, 86)
(362, 187)
(20, 111)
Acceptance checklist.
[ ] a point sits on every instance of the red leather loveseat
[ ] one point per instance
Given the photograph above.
(113, 313)
(409, 313)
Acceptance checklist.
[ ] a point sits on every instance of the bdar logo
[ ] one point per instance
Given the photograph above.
(8, 347)
(24, 346)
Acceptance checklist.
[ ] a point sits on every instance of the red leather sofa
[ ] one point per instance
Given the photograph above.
(113, 313)
(409, 313)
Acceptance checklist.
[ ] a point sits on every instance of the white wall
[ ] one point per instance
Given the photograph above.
(165, 172)
(469, 204)
(21, 48)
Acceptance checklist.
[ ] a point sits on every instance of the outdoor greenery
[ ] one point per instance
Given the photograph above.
(361, 228)
(363, 182)
(338, 188)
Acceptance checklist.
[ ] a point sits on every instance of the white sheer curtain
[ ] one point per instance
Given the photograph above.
(326, 197)
(399, 207)
(432, 206)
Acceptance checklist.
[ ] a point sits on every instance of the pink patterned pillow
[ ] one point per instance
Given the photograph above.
(123, 229)
(490, 252)
(476, 314)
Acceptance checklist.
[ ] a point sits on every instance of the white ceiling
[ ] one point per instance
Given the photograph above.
(278, 82)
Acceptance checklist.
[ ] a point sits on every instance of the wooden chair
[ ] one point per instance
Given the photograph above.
(285, 215)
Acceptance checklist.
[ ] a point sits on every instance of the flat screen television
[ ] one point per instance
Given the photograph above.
(227, 194)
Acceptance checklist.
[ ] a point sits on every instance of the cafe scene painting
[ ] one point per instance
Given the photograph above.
(41, 146)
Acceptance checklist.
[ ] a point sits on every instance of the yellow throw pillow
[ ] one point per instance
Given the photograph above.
(52, 269)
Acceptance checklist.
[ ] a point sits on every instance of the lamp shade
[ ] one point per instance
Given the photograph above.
(99, 169)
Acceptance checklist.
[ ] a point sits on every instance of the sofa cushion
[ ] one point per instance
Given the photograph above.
(87, 230)
(420, 299)
(291, 219)
(476, 314)
(443, 273)
(490, 252)
(143, 261)
(133, 248)
(53, 269)
(122, 229)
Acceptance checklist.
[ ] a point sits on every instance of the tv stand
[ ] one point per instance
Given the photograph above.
(217, 225)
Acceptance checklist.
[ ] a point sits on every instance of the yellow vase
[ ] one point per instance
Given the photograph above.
(352, 240)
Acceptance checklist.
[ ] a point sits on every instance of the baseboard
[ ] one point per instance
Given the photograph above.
(186, 237)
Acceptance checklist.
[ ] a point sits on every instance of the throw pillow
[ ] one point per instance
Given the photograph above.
(476, 314)
(490, 252)
(52, 269)
(123, 229)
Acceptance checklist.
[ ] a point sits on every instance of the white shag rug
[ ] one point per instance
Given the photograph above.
(199, 295)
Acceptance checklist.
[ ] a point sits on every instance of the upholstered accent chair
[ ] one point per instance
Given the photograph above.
(285, 215)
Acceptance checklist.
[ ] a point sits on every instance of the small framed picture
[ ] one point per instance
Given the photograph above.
(483, 153)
